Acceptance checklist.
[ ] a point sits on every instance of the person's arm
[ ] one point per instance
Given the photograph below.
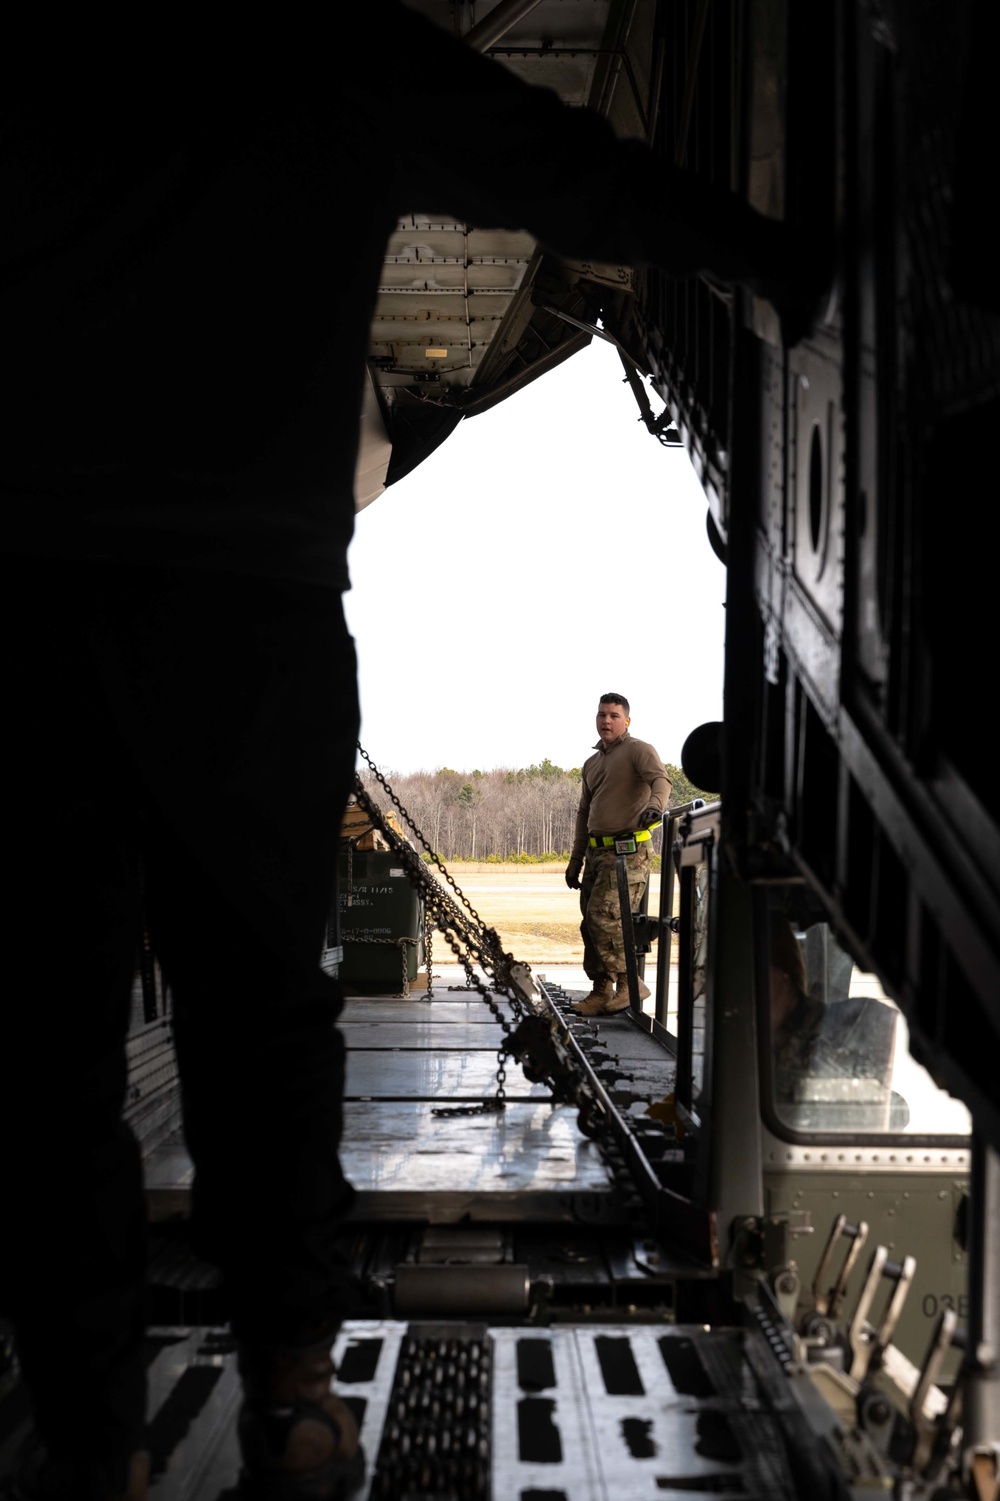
(495, 151)
(649, 768)
(579, 840)
(503, 153)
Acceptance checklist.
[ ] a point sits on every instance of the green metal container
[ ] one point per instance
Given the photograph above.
(381, 921)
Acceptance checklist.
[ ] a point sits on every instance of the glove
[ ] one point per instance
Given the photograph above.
(649, 817)
(573, 874)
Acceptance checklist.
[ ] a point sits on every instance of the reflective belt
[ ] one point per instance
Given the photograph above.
(609, 841)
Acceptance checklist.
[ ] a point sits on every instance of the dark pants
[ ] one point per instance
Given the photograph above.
(205, 725)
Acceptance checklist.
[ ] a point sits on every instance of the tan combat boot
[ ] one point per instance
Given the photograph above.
(297, 1437)
(598, 1001)
(621, 993)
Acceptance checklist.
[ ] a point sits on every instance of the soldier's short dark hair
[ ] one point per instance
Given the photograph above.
(615, 698)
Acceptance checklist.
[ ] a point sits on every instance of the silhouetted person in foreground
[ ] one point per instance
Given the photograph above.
(195, 228)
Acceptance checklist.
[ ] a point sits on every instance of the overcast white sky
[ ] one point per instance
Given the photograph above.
(550, 550)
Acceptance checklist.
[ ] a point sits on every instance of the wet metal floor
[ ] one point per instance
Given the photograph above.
(407, 1059)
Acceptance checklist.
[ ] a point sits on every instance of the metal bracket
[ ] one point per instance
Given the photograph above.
(520, 979)
(536, 1046)
(647, 930)
(787, 1285)
(867, 1341)
(828, 1302)
(926, 1428)
(762, 1244)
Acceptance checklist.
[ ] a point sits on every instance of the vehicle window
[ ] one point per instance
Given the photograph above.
(840, 1058)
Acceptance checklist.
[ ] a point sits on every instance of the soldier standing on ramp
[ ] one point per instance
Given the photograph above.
(624, 789)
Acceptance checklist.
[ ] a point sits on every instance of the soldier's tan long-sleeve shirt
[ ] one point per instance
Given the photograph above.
(619, 782)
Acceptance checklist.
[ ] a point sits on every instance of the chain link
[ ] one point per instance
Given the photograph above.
(399, 943)
(490, 934)
(429, 958)
(464, 931)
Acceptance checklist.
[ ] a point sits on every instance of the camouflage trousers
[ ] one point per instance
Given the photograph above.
(601, 929)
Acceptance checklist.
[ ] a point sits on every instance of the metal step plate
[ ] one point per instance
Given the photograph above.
(596, 1412)
(582, 1413)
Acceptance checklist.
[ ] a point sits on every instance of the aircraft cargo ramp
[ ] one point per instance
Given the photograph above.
(529, 1344)
(408, 1059)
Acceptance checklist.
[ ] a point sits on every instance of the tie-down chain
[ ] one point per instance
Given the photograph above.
(464, 930)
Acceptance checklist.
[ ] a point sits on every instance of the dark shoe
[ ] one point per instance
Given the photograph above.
(298, 1439)
(36, 1477)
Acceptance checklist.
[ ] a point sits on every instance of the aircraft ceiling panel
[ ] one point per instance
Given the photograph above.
(570, 74)
(562, 23)
(416, 231)
(407, 277)
(449, 319)
(427, 255)
(448, 304)
(455, 322)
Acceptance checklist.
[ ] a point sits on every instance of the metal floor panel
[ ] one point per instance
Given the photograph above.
(391, 1010)
(651, 1078)
(430, 1074)
(168, 1168)
(586, 1412)
(456, 1036)
(194, 1396)
(529, 1160)
(623, 1039)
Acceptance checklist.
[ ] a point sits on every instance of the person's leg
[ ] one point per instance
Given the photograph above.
(263, 1076)
(637, 877)
(73, 1255)
(240, 708)
(602, 981)
(592, 967)
(604, 926)
(603, 915)
(239, 705)
(228, 709)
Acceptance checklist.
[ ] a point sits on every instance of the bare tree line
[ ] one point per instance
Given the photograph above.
(504, 814)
